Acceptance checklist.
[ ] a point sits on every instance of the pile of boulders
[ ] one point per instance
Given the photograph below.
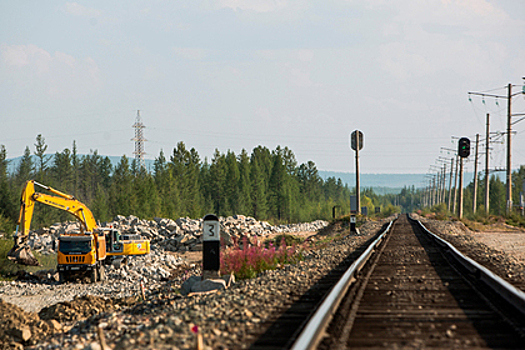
(183, 234)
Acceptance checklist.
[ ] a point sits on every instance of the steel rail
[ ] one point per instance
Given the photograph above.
(313, 331)
(511, 294)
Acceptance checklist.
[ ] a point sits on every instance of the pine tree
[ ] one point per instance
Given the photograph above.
(279, 189)
(75, 162)
(122, 200)
(232, 183)
(245, 203)
(100, 206)
(259, 193)
(62, 170)
(194, 200)
(185, 166)
(40, 153)
(7, 197)
(167, 188)
(89, 176)
(217, 181)
(25, 169)
(497, 194)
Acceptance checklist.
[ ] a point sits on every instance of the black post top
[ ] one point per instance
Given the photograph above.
(211, 217)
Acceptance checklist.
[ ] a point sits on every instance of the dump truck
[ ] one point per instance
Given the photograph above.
(83, 252)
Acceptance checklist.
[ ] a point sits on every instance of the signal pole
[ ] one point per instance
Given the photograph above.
(487, 182)
(357, 175)
(463, 152)
(460, 210)
(356, 143)
(474, 205)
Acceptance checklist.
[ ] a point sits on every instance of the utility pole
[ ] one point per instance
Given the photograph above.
(456, 184)
(474, 205)
(443, 181)
(509, 97)
(431, 191)
(438, 187)
(509, 149)
(487, 182)
(450, 183)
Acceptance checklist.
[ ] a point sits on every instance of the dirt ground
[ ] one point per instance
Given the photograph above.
(511, 243)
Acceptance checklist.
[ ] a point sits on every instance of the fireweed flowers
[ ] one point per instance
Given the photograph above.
(251, 259)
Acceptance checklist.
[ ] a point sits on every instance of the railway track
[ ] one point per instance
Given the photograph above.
(410, 291)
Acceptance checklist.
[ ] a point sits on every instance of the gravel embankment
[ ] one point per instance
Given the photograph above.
(488, 248)
(231, 319)
(228, 319)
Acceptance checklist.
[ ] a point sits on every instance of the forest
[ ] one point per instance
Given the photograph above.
(266, 184)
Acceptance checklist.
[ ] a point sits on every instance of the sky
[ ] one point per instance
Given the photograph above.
(236, 74)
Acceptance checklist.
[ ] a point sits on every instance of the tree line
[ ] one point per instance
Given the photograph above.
(411, 199)
(265, 184)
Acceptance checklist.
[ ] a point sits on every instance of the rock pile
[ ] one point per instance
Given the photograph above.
(183, 234)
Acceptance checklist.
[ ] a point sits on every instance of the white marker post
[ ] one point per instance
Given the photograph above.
(211, 246)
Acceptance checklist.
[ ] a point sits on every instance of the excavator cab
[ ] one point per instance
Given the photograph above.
(114, 242)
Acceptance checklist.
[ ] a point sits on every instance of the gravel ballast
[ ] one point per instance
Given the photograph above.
(228, 319)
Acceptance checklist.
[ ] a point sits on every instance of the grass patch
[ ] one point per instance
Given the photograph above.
(8, 269)
(289, 240)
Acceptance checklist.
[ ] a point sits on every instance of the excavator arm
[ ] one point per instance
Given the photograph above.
(20, 251)
(59, 200)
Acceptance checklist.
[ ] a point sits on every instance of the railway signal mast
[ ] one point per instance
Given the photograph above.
(356, 143)
(464, 152)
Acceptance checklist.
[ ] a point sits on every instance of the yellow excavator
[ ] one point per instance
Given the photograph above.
(79, 253)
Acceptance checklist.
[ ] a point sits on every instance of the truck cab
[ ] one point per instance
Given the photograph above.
(81, 254)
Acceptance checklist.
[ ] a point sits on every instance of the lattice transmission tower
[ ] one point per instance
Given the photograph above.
(139, 141)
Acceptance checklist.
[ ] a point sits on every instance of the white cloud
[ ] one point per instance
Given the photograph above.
(254, 5)
(464, 37)
(476, 17)
(24, 55)
(32, 70)
(76, 9)
(305, 55)
(190, 53)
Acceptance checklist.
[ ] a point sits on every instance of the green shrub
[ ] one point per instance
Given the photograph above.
(9, 268)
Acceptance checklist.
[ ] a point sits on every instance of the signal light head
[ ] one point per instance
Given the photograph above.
(464, 147)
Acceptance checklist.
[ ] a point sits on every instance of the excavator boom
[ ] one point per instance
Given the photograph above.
(78, 253)
(21, 251)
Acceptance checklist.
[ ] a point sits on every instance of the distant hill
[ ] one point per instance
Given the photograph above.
(384, 183)
(381, 183)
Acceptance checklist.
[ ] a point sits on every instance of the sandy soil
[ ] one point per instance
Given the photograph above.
(513, 243)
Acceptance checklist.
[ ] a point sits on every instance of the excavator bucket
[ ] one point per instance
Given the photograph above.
(21, 254)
